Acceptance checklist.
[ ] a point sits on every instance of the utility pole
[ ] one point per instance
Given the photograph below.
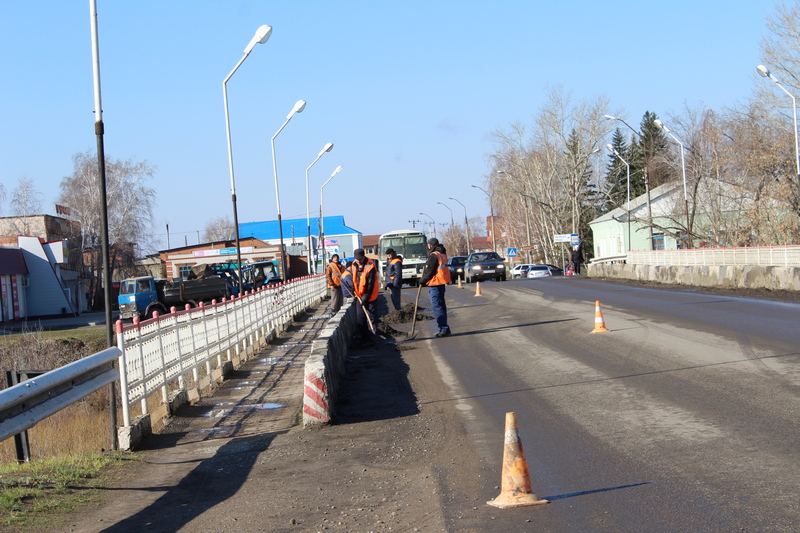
(414, 223)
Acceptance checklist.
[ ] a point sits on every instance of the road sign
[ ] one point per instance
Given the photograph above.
(511, 252)
(564, 237)
(575, 240)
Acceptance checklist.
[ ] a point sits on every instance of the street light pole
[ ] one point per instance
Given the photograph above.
(646, 184)
(661, 126)
(99, 130)
(327, 148)
(628, 206)
(491, 213)
(322, 215)
(433, 223)
(298, 108)
(764, 71)
(466, 224)
(451, 214)
(261, 36)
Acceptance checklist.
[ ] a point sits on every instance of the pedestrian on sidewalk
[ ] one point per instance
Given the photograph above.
(333, 277)
(367, 288)
(394, 276)
(436, 276)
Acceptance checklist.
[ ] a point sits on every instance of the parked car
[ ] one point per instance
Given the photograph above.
(539, 271)
(555, 271)
(484, 265)
(520, 271)
(456, 266)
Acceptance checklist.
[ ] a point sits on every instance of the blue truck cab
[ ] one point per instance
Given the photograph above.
(138, 297)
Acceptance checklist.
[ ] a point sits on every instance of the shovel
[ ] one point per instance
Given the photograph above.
(366, 313)
(413, 333)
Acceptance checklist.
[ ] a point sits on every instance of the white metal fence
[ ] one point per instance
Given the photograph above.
(784, 256)
(162, 351)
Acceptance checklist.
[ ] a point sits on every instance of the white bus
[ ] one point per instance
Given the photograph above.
(412, 246)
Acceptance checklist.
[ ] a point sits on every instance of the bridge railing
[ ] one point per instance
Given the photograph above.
(159, 355)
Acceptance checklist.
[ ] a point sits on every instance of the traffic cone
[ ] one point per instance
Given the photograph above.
(477, 288)
(515, 488)
(599, 322)
(460, 286)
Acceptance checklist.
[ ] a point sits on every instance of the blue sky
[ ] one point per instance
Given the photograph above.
(408, 92)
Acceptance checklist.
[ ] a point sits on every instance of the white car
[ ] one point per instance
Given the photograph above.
(520, 271)
(539, 271)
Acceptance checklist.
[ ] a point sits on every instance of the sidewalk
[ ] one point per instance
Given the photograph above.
(256, 402)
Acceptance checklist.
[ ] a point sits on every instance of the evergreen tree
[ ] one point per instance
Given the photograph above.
(646, 154)
(617, 173)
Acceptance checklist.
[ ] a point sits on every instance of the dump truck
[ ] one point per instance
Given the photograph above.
(142, 296)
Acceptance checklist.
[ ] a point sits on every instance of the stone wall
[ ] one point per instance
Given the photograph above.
(749, 277)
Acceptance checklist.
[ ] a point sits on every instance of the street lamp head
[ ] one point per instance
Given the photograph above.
(764, 71)
(262, 35)
(338, 169)
(610, 148)
(327, 148)
(610, 117)
(298, 108)
(660, 125)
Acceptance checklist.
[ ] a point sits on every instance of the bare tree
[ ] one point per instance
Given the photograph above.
(219, 229)
(2, 196)
(130, 209)
(25, 199)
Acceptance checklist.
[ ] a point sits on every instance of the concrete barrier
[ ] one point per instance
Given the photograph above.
(729, 277)
(325, 367)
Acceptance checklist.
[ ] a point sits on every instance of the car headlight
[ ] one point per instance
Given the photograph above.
(476, 267)
(501, 266)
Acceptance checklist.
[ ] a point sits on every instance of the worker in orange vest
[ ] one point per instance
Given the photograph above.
(333, 277)
(367, 288)
(394, 276)
(436, 276)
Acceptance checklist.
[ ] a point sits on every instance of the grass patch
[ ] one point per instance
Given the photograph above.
(37, 493)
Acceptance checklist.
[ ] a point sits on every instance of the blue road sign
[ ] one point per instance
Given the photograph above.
(511, 252)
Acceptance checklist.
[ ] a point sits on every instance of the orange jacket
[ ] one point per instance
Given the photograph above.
(441, 276)
(333, 274)
(366, 281)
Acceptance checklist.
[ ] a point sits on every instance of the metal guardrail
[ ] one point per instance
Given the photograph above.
(25, 404)
(162, 352)
(782, 256)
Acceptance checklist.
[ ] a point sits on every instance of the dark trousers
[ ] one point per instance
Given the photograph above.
(361, 317)
(439, 306)
(395, 296)
(336, 299)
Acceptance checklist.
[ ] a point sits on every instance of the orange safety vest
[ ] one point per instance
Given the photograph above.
(360, 281)
(334, 274)
(442, 275)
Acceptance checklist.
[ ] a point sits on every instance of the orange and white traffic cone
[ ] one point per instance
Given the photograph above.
(460, 286)
(478, 288)
(515, 488)
(599, 322)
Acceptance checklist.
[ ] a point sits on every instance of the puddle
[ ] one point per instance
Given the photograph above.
(222, 431)
(219, 413)
(269, 361)
(290, 346)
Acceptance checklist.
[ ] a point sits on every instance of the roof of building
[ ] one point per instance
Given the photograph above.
(268, 229)
(12, 262)
(369, 241)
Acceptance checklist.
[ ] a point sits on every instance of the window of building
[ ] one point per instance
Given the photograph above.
(184, 271)
(658, 241)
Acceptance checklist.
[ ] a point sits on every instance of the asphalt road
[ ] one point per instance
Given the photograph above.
(683, 418)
